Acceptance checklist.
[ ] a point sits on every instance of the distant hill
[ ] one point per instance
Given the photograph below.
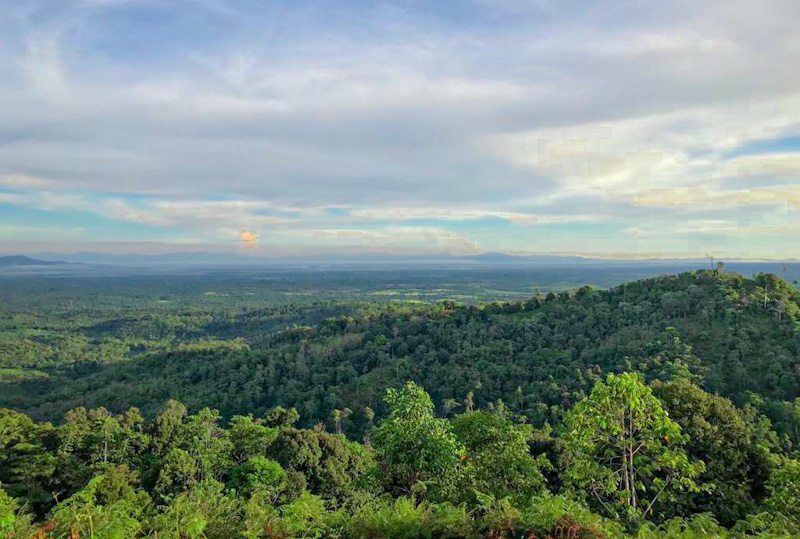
(20, 260)
(354, 260)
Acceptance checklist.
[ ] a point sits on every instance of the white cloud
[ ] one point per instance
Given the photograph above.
(674, 159)
(704, 196)
(202, 217)
(403, 238)
(14, 232)
(461, 214)
(10, 198)
(42, 65)
(21, 181)
(772, 166)
(622, 115)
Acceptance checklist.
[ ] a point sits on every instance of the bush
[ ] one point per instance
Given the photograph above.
(403, 519)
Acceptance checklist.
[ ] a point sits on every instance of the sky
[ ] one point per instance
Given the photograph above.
(621, 129)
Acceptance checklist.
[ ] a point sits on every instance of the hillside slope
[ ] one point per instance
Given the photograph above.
(736, 336)
(21, 260)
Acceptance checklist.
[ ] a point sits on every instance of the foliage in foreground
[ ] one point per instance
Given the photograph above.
(416, 476)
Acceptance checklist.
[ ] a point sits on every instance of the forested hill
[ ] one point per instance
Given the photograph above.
(735, 336)
(19, 260)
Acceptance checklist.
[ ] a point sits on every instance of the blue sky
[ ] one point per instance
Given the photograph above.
(618, 129)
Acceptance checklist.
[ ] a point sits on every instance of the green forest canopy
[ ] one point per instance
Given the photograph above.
(483, 473)
(518, 431)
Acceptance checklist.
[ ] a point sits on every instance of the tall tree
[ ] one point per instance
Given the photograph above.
(784, 489)
(498, 461)
(623, 449)
(412, 445)
(733, 445)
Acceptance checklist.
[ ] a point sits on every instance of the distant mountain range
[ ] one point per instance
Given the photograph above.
(20, 260)
(234, 259)
(205, 259)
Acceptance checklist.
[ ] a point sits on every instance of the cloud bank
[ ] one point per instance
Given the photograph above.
(459, 127)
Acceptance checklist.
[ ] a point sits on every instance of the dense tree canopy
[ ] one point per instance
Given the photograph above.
(733, 444)
(661, 408)
(735, 336)
(418, 476)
